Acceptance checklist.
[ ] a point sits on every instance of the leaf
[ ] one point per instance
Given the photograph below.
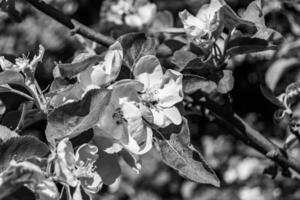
(73, 118)
(193, 83)
(20, 149)
(268, 94)
(226, 83)
(108, 167)
(181, 58)
(179, 154)
(277, 70)
(80, 64)
(231, 20)
(11, 77)
(244, 45)
(135, 46)
(174, 44)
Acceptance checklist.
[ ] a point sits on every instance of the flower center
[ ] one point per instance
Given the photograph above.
(118, 116)
(85, 170)
(150, 96)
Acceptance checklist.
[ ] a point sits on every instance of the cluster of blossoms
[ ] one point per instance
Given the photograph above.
(125, 124)
(130, 12)
(124, 127)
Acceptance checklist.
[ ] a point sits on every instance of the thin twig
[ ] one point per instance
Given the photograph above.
(252, 137)
(75, 26)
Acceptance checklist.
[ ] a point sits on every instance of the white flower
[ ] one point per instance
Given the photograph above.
(105, 71)
(160, 92)
(200, 28)
(77, 169)
(121, 122)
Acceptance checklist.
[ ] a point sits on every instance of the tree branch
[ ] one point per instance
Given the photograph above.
(241, 130)
(72, 24)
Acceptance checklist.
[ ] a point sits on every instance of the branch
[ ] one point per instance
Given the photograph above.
(75, 26)
(252, 137)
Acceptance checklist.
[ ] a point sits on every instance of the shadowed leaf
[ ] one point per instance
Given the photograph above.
(73, 118)
(135, 46)
(20, 149)
(179, 154)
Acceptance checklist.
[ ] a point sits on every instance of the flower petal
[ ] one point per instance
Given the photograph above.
(148, 71)
(65, 162)
(136, 134)
(159, 119)
(92, 184)
(173, 115)
(113, 61)
(171, 89)
(193, 26)
(86, 153)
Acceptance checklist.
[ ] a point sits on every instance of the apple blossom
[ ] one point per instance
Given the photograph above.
(121, 124)
(77, 169)
(161, 91)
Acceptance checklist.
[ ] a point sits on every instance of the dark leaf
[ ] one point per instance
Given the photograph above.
(73, 118)
(11, 77)
(181, 58)
(193, 83)
(108, 167)
(231, 20)
(244, 45)
(20, 149)
(135, 46)
(179, 154)
(174, 44)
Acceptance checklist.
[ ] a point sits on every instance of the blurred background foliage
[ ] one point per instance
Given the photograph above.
(239, 167)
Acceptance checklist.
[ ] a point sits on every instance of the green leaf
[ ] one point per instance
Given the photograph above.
(226, 83)
(82, 62)
(178, 153)
(11, 77)
(73, 118)
(20, 149)
(193, 83)
(244, 45)
(135, 46)
(181, 58)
